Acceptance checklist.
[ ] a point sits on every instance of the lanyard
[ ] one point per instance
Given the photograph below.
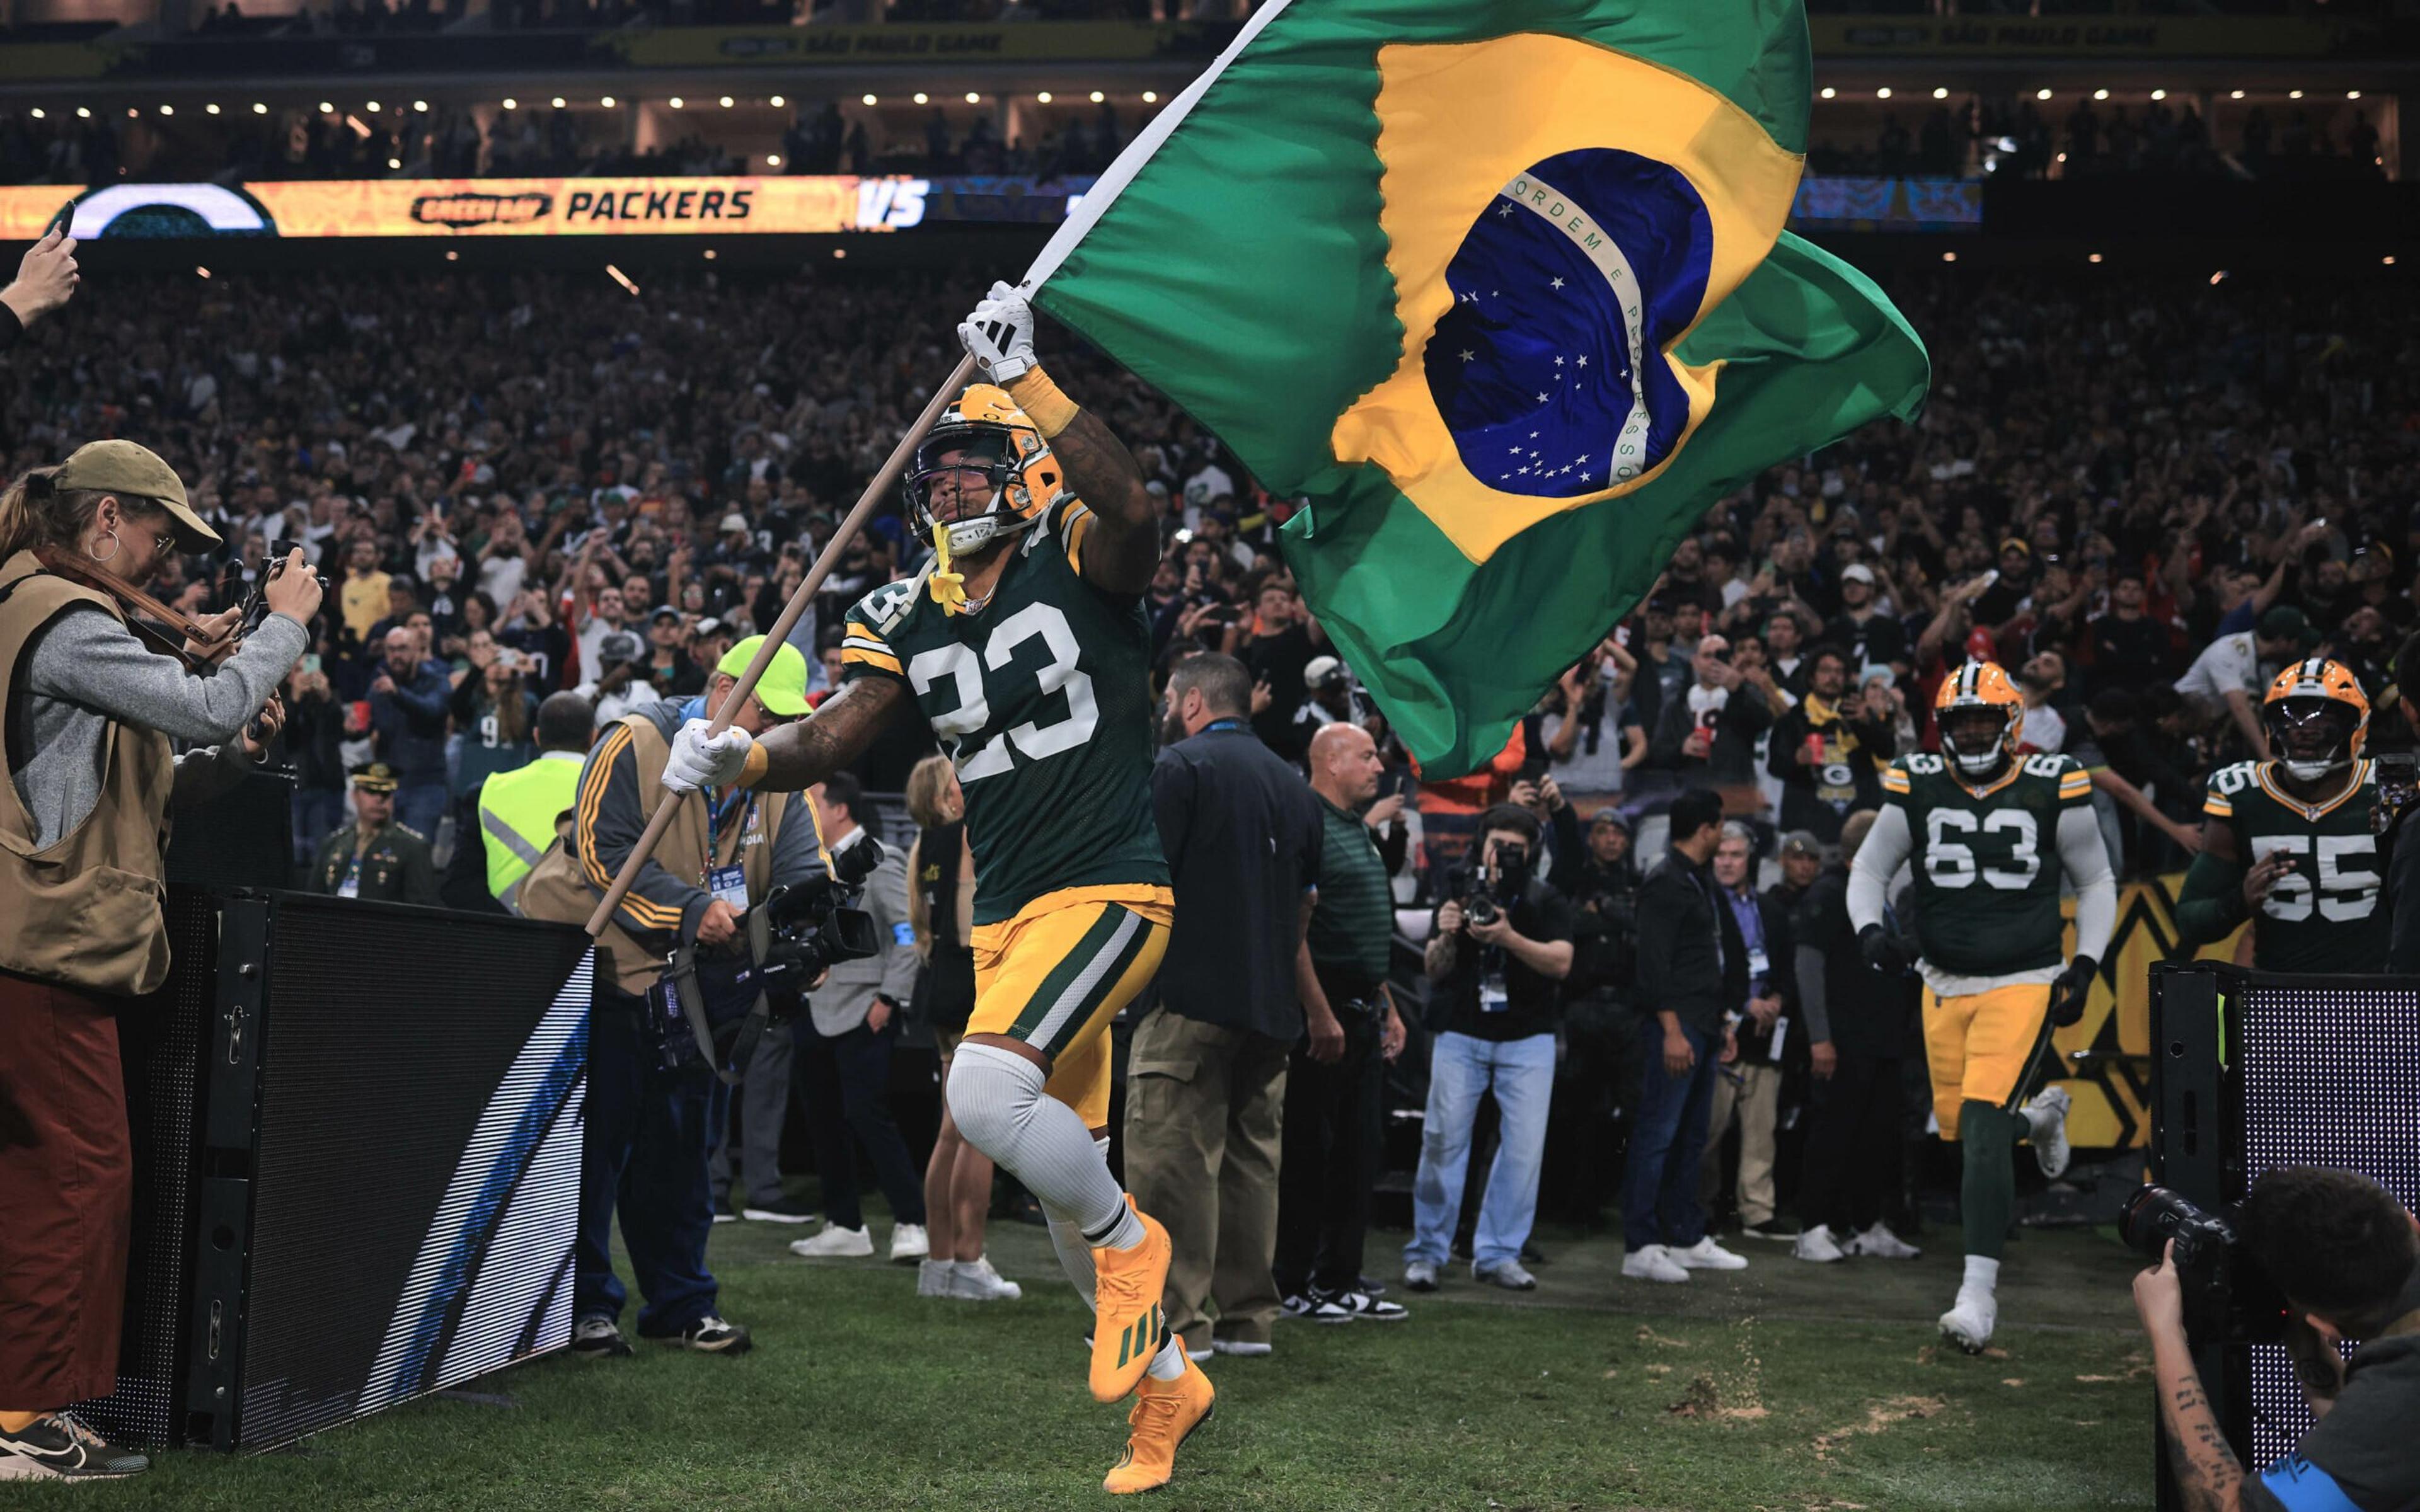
(743, 800)
(1223, 724)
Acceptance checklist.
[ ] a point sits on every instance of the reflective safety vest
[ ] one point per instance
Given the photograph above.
(516, 814)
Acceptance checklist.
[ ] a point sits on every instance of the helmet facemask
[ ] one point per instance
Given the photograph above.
(968, 478)
(1975, 735)
(2313, 736)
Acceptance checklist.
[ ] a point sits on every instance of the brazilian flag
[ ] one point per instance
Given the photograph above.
(1500, 288)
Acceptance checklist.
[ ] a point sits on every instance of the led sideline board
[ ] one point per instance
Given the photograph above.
(799, 206)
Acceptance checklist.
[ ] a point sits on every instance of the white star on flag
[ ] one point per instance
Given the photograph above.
(1559, 361)
(1557, 283)
(1469, 356)
(1584, 361)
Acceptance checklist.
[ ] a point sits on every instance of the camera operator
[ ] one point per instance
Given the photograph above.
(2346, 1257)
(845, 1053)
(1596, 1086)
(651, 1115)
(1501, 946)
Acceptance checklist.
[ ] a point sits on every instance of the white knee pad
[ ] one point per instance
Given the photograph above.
(992, 1094)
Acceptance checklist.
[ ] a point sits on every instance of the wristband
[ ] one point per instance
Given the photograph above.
(1050, 410)
(758, 761)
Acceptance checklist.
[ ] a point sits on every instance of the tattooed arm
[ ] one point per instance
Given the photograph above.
(1123, 538)
(2209, 1476)
(798, 756)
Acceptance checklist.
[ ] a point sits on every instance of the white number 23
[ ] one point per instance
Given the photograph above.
(1033, 740)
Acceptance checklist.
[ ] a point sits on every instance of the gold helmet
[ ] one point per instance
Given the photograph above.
(1979, 711)
(982, 433)
(2317, 718)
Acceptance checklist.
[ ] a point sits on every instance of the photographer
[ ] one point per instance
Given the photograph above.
(1499, 947)
(650, 1113)
(2346, 1257)
(1828, 751)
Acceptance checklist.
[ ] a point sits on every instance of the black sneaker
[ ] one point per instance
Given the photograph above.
(1370, 1286)
(55, 1447)
(1314, 1308)
(724, 1211)
(597, 1338)
(779, 1211)
(1362, 1307)
(1781, 1230)
(711, 1334)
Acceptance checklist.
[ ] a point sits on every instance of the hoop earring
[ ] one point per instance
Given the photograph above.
(113, 551)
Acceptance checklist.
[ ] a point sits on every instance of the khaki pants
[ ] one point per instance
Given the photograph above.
(1756, 1097)
(1205, 1109)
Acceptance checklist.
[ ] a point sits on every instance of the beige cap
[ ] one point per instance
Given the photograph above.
(135, 471)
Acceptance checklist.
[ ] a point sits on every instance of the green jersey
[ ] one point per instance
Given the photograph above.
(1986, 863)
(1042, 699)
(2324, 916)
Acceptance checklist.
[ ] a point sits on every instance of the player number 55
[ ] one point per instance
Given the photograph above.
(2344, 892)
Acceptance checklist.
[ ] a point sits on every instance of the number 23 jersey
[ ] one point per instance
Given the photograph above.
(2324, 916)
(1987, 866)
(1042, 699)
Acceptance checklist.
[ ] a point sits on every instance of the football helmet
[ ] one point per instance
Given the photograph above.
(2317, 718)
(984, 435)
(1978, 710)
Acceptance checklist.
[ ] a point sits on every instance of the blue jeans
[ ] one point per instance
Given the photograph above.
(420, 807)
(644, 1143)
(317, 812)
(1522, 1073)
(1667, 1144)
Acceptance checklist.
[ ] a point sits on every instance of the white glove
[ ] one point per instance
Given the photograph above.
(998, 334)
(702, 761)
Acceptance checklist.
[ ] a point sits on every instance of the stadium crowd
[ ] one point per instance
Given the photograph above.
(2142, 495)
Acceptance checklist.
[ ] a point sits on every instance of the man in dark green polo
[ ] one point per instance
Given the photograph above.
(1331, 1138)
(373, 857)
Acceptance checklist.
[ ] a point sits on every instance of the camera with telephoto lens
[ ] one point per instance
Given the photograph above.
(2227, 1298)
(815, 923)
(1512, 879)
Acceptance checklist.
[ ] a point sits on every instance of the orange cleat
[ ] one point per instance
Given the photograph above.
(1128, 1323)
(1165, 1416)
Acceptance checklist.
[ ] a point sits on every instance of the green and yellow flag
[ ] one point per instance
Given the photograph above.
(1502, 289)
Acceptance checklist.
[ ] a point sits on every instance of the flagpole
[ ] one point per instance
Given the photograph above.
(876, 492)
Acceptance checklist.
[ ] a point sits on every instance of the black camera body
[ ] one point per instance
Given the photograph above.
(817, 924)
(2227, 1298)
(1485, 904)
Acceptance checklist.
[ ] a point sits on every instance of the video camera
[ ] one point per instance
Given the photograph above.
(1485, 904)
(697, 1014)
(2229, 1299)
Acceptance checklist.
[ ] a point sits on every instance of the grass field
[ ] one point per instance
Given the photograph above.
(1785, 1387)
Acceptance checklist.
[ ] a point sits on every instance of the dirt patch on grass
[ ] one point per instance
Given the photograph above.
(1881, 1418)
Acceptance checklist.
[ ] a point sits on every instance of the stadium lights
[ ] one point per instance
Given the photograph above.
(327, 109)
(2042, 94)
(1949, 256)
(394, 164)
(510, 104)
(2100, 94)
(709, 254)
(201, 272)
(1829, 91)
(451, 256)
(258, 108)
(374, 107)
(839, 253)
(2293, 94)
(1150, 97)
(2093, 257)
(2235, 94)
(1098, 97)
(866, 99)
(212, 109)
(2352, 94)
(167, 110)
(421, 106)
(2159, 94)
(1883, 93)
(1044, 96)
(556, 102)
(131, 114)
(83, 113)
(922, 97)
(772, 160)
(777, 101)
(2386, 261)
(40, 113)
(726, 102)
(973, 98)
(2218, 278)
(1939, 93)
(607, 101)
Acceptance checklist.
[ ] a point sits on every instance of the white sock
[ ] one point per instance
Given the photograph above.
(1170, 1362)
(996, 1096)
(1982, 1274)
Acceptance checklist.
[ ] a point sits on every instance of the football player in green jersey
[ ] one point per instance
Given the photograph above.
(2303, 820)
(1981, 822)
(1024, 646)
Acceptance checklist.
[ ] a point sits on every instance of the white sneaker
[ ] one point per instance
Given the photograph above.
(1968, 1323)
(2047, 1115)
(1878, 1242)
(1652, 1262)
(1816, 1244)
(835, 1244)
(933, 1277)
(907, 1243)
(1245, 1348)
(976, 1281)
(1705, 1254)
